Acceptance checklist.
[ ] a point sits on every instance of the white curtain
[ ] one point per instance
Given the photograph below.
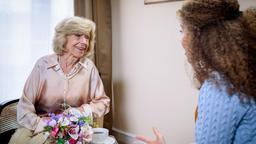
(27, 29)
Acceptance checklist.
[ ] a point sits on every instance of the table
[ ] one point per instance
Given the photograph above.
(110, 140)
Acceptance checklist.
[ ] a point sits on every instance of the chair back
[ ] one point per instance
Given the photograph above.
(8, 120)
(8, 117)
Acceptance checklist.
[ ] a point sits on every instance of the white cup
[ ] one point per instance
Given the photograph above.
(99, 135)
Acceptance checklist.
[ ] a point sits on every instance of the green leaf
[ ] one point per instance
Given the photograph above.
(61, 141)
(47, 129)
(86, 119)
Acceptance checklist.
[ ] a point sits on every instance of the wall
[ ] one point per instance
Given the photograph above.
(150, 83)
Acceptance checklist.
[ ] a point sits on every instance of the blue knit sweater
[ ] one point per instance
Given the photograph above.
(224, 119)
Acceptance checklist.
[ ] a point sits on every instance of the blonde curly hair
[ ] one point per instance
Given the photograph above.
(73, 25)
(222, 39)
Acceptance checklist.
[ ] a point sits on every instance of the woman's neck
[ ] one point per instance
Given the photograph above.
(67, 62)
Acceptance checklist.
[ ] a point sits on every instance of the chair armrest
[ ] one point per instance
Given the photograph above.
(6, 103)
(98, 122)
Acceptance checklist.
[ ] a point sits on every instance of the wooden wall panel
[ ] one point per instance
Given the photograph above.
(100, 12)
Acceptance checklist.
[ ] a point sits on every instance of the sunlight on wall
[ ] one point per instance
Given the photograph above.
(27, 29)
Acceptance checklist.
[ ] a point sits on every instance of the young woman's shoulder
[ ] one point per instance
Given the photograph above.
(222, 116)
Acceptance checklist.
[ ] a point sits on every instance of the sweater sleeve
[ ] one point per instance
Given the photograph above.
(218, 115)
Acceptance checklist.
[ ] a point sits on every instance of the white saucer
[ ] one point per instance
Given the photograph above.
(108, 140)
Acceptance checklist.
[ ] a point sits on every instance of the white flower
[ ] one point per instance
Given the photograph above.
(87, 132)
(87, 111)
(75, 112)
(63, 121)
(73, 119)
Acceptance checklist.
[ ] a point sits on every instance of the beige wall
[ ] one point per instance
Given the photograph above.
(151, 87)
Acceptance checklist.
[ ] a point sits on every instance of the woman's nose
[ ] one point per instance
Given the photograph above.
(83, 39)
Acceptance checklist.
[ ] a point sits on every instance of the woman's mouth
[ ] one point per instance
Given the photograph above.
(80, 48)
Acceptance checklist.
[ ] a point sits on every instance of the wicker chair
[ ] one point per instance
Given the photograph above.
(8, 120)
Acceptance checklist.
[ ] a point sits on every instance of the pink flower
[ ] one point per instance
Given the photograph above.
(72, 141)
(73, 132)
(55, 131)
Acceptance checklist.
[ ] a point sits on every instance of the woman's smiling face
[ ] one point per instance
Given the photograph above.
(77, 45)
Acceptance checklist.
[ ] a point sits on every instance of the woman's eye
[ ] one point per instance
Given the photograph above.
(77, 35)
(181, 31)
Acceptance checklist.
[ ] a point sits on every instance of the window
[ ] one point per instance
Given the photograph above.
(27, 29)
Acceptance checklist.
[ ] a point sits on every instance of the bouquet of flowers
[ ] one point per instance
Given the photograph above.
(71, 127)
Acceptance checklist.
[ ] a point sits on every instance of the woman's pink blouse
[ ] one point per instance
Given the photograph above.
(47, 88)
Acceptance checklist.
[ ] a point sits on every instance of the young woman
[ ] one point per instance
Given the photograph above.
(220, 44)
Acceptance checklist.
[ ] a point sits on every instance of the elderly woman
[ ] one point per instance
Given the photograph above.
(61, 80)
(220, 44)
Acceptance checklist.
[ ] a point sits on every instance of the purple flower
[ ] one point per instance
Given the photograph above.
(51, 114)
(81, 123)
(57, 117)
(52, 123)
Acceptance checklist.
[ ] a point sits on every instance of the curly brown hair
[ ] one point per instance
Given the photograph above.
(222, 39)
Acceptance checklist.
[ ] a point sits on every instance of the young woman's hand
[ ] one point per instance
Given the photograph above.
(159, 138)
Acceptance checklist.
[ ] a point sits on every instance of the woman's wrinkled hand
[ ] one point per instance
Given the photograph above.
(42, 123)
(77, 111)
(159, 138)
